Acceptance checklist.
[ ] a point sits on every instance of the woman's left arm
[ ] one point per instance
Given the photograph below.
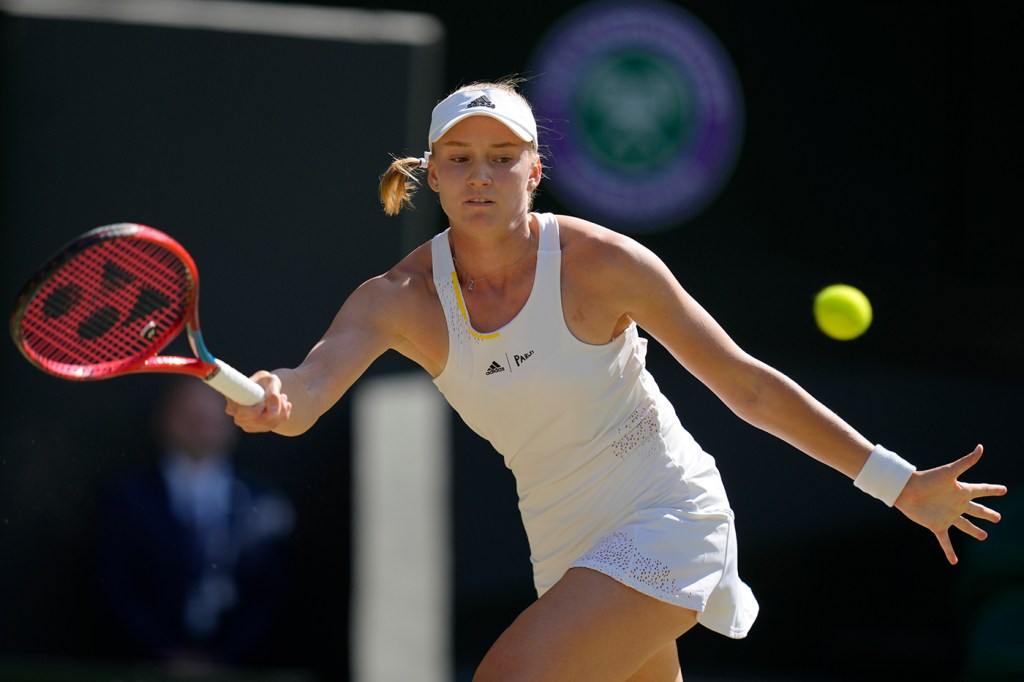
(771, 401)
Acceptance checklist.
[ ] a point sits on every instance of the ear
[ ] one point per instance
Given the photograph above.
(431, 177)
(536, 173)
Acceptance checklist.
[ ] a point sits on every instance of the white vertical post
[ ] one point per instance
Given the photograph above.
(401, 605)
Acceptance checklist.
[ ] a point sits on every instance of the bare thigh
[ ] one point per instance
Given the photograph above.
(662, 667)
(589, 627)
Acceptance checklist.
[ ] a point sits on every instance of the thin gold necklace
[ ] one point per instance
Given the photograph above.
(473, 280)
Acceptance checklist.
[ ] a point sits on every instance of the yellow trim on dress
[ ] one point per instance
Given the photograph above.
(465, 315)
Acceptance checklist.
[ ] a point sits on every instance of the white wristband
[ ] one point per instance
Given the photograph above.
(884, 475)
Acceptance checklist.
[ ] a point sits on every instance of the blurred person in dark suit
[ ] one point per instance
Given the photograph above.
(194, 555)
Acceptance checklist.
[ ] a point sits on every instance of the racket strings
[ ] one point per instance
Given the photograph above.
(109, 305)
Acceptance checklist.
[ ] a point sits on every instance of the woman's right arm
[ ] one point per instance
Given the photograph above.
(368, 324)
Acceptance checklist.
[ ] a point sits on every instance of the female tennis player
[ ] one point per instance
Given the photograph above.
(530, 326)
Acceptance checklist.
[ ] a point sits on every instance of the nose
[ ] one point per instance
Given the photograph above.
(480, 175)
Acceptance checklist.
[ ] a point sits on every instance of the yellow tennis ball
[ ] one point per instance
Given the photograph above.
(842, 312)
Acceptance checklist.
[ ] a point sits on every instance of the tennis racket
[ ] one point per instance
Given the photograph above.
(108, 302)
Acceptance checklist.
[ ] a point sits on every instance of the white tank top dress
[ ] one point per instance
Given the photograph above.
(607, 477)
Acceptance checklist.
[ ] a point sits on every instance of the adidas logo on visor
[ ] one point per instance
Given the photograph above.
(494, 369)
(481, 101)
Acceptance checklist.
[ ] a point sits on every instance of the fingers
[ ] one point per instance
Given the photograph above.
(967, 461)
(947, 547)
(980, 511)
(967, 527)
(943, 502)
(266, 416)
(984, 490)
(974, 490)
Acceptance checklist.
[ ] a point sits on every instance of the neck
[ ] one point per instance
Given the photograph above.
(477, 259)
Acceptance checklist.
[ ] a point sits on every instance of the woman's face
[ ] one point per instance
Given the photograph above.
(483, 172)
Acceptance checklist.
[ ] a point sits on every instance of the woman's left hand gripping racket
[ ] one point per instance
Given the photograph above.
(109, 301)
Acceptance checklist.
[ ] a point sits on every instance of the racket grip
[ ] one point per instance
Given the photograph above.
(235, 385)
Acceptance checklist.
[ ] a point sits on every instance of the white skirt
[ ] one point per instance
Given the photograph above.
(682, 558)
(659, 522)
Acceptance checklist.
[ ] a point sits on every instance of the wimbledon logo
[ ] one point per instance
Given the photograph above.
(644, 113)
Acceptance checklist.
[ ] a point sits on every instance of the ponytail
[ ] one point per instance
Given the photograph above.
(399, 183)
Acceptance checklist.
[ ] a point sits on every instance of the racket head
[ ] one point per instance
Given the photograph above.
(106, 303)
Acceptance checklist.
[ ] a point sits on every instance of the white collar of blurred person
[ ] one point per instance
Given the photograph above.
(199, 489)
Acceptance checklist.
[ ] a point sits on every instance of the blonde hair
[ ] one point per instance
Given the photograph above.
(399, 182)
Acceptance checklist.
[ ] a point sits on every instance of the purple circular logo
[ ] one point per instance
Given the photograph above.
(643, 112)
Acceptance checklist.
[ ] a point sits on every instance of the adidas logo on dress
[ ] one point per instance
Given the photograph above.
(494, 368)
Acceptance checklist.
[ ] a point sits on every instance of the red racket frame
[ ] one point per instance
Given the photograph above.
(38, 335)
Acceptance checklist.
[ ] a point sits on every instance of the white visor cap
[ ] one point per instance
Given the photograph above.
(493, 102)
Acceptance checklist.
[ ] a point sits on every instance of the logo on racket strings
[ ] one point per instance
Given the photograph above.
(115, 291)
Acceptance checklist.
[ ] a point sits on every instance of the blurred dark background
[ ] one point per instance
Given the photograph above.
(880, 149)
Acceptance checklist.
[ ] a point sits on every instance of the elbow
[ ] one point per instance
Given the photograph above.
(291, 430)
(755, 396)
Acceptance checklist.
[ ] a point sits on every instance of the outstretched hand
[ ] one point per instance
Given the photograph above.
(936, 500)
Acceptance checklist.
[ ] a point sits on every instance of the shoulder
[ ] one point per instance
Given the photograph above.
(398, 310)
(582, 239)
(608, 280)
(135, 494)
(138, 481)
(400, 291)
(579, 233)
(604, 257)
